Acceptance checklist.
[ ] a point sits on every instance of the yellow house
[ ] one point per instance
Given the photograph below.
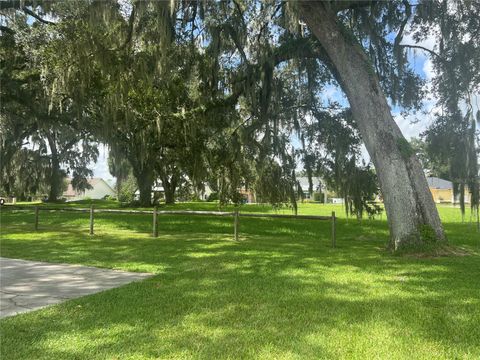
(442, 191)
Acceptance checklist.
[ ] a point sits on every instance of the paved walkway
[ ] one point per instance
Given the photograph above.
(30, 285)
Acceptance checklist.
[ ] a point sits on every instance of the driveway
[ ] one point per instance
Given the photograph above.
(30, 285)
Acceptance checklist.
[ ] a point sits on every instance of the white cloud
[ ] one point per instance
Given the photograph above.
(429, 70)
(413, 125)
(429, 42)
(332, 93)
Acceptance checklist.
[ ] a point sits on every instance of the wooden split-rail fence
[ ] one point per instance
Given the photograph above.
(236, 214)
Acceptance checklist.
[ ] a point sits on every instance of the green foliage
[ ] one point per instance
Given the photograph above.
(452, 139)
(430, 159)
(185, 193)
(335, 143)
(276, 185)
(127, 189)
(59, 138)
(371, 26)
(406, 150)
(213, 197)
(24, 174)
(361, 192)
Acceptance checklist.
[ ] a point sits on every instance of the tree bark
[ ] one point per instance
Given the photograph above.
(55, 177)
(169, 195)
(145, 182)
(409, 205)
(169, 187)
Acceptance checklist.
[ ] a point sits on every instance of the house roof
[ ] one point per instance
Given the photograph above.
(92, 181)
(70, 190)
(437, 183)
(155, 188)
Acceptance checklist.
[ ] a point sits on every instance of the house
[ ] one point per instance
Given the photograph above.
(100, 189)
(206, 192)
(442, 190)
(157, 192)
(248, 195)
(317, 186)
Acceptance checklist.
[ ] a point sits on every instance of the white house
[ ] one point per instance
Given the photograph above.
(207, 191)
(99, 190)
(317, 186)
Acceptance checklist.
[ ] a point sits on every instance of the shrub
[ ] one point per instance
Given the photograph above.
(126, 193)
(213, 196)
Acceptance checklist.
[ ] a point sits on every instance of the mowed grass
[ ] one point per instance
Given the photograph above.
(280, 293)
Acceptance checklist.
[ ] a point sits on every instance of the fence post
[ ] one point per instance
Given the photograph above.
(91, 220)
(36, 218)
(235, 224)
(334, 240)
(155, 222)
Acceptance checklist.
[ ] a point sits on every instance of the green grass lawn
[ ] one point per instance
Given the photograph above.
(279, 293)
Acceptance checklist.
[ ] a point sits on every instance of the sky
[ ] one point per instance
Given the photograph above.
(100, 168)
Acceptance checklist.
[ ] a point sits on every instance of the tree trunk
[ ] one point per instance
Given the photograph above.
(462, 201)
(411, 212)
(118, 186)
(169, 196)
(145, 182)
(56, 177)
(169, 187)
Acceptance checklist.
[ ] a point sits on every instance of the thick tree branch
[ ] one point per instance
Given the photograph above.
(338, 6)
(294, 49)
(27, 11)
(422, 48)
(6, 29)
(131, 22)
(408, 14)
(264, 26)
(234, 36)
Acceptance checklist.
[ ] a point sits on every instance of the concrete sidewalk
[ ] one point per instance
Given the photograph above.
(30, 285)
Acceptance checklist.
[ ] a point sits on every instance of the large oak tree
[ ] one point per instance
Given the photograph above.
(408, 202)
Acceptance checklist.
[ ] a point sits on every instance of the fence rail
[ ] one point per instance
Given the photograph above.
(236, 214)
